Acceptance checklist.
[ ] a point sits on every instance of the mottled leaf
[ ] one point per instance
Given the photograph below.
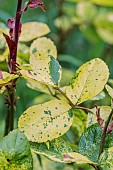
(46, 69)
(106, 159)
(104, 114)
(45, 45)
(89, 144)
(77, 158)
(32, 30)
(40, 123)
(57, 148)
(109, 90)
(88, 81)
(15, 152)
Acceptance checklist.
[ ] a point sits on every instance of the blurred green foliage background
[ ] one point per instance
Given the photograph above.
(82, 30)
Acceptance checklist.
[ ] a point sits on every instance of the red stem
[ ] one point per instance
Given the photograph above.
(16, 31)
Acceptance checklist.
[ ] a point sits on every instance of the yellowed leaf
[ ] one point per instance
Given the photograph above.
(88, 81)
(45, 122)
(44, 45)
(32, 30)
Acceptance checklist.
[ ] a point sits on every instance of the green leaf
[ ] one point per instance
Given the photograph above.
(106, 159)
(63, 22)
(104, 26)
(77, 158)
(89, 144)
(88, 81)
(46, 69)
(104, 113)
(91, 35)
(109, 90)
(103, 2)
(32, 30)
(15, 152)
(79, 121)
(74, 0)
(66, 77)
(40, 123)
(57, 148)
(44, 45)
(83, 9)
(69, 59)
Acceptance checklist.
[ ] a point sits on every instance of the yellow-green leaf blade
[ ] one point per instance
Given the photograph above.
(88, 82)
(46, 69)
(45, 45)
(45, 122)
(32, 30)
(103, 2)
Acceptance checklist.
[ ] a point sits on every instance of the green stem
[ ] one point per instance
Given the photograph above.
(7, 123)
(12, 108)
(104, 134)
